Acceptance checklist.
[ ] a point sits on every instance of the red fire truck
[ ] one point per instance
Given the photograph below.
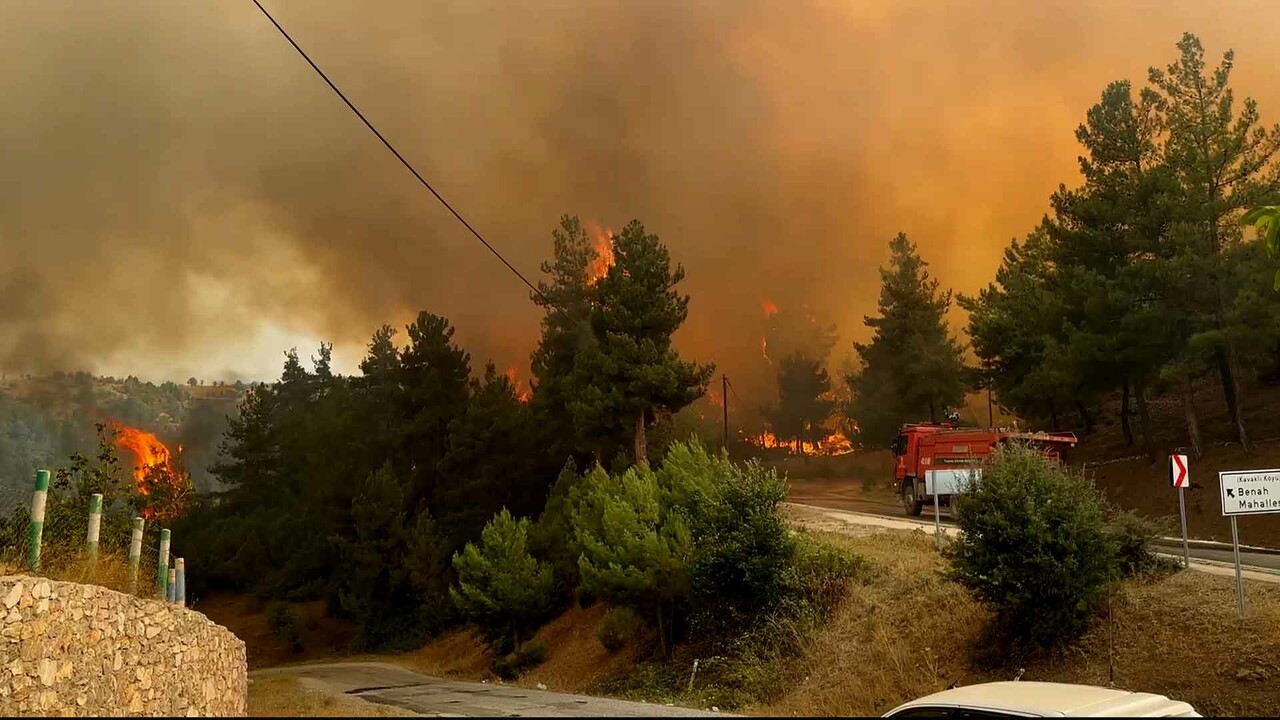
(943, 447)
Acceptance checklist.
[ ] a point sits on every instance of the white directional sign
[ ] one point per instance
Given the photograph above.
(1250, 492)
(1178, 475)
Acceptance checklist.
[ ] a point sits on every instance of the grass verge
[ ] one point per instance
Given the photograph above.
(287, 697)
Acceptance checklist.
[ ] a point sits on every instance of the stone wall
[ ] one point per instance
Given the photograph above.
(76, 650)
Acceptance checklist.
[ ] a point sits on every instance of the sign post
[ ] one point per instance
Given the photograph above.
(947, 482)
(1247, 492)
(1180, 478)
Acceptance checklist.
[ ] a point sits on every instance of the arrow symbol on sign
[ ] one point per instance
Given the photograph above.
(1231, 492)
(1182, 472)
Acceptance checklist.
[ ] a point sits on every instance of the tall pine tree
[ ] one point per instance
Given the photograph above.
(566, 297)
(630, 373)
(1224, 159)
(912, 368)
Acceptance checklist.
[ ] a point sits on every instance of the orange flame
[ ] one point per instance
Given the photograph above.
(831, 445)
(148, 453)
(513, 378)
(602, 240)
(764, 349)
(769, 307)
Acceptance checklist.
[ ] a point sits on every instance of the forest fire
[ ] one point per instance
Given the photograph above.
(602, 240)
(149, 454)
(833, 444)
(513, 377)
(769, 307)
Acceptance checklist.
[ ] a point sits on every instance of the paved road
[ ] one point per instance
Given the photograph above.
(1216, 558)
(393, 685)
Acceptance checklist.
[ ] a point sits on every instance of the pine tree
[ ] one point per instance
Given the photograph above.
(502, 589)
(912, 368)
(802, 406)
(491, 462)
(566, 331)
(1224, 162)
(635, 545)
(632, 371)
(1109, 252)
(377, 586)
(434, 381)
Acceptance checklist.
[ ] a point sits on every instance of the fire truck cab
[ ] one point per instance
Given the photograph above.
(922, 447)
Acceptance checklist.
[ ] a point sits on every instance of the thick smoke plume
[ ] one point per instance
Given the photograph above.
(179, 194)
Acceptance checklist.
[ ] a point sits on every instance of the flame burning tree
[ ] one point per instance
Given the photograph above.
(605, 354)
(802, 416)
(162, 490)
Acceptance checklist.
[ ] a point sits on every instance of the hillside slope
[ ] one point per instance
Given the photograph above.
(44, 419)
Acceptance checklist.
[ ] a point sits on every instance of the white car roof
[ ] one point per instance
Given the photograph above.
(1045, 699)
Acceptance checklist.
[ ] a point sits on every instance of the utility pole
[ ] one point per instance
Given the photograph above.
(724, 394)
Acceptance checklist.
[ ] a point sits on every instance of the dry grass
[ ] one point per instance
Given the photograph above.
(460, 654)
(579, 660)
(287, 697)
(908, 631)
(110, 570)
(575, 657)
(900, 634)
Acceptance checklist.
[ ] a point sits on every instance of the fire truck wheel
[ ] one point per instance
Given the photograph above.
(909, 501)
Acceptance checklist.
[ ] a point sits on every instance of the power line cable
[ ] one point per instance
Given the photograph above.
(400, 157)
(732, 389)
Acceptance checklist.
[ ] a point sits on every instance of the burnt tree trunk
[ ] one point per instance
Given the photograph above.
(933, 413)
(1124, 415)
(1053, 415)
(1144, 418)
(1193, 423)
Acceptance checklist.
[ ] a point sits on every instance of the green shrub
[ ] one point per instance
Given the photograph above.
(618, 625)
(502, 589)
(283, 624)
(527, 655)
(699, 545)
(1034, 547)
(819, 575)
(1132, 536)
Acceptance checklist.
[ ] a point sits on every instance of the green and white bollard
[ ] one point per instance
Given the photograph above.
(37, 519)
(162, 563)
(171, 588)
(180, 594)
(135, 554)
(95, 524)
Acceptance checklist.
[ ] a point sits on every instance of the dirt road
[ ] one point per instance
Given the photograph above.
(393, 685)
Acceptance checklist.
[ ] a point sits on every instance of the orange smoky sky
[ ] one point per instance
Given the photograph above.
(183, 196)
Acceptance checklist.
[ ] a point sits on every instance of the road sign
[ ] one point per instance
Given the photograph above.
(1180, 478)
(1250, 492)
(1178, 475)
